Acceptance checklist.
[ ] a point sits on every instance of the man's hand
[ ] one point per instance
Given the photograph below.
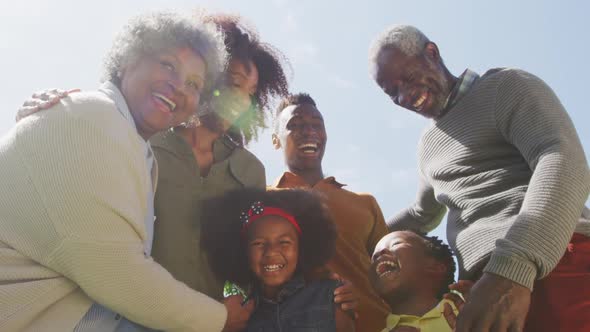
(464, 288)
(40, 101)
(237, 314)
(494, 304)
(345, 295)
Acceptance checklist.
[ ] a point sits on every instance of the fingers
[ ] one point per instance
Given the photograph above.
(25, 111)
(346, 297)
(450, 316)
(337, 277)
(456, 299)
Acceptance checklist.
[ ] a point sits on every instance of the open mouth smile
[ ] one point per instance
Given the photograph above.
(273, 267)
(387, 268)
(420, 101)
(164, 100)
(309, 148)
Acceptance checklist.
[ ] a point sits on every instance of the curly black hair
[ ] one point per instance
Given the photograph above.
(292, 99)
(225, 247)
(440, 251)
(243, 44)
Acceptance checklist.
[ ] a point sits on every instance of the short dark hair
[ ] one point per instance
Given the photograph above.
(243, 44)
(293, 99)
(442, 253)
(225, 247)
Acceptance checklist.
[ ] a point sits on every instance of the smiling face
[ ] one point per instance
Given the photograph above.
(418, 83)
(236, 95)
(273, 251)
(302, 136)
(162, 90)
(400, 265)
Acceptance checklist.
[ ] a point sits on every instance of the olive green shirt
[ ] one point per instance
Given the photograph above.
(179, 194)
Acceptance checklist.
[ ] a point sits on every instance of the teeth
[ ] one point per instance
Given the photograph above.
(420, 100)
(170, 103)
(272, 268)
(394, 268)
(309, 148)
(309, 145)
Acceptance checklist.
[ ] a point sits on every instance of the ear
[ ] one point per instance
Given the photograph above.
(431, 52)
(276, 142)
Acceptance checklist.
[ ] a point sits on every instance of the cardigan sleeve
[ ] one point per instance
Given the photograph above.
(90, 172)
(531, 118)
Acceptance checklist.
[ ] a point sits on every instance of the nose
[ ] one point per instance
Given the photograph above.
(271, 249)
(378, 254)
(403, 98)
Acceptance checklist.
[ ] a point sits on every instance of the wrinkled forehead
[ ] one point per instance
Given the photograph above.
(390, 62)
(399, 237)
(302, 111)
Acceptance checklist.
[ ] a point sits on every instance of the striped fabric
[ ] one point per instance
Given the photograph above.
(507, 163)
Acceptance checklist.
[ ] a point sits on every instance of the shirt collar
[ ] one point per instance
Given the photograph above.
(113, 92)
(292, 180)
(463, 85)
(436, 312)
(174, 143)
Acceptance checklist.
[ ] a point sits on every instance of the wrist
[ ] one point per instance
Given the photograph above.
(519, 271)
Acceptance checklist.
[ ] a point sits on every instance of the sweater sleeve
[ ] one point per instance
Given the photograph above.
(92, 179)
(424, 215)
(531, 118)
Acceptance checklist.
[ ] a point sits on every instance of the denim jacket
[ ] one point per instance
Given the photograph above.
(299, 307)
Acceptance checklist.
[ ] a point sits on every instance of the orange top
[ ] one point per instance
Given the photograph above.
(360, 226)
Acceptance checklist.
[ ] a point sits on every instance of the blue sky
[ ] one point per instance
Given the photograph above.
(371, 145)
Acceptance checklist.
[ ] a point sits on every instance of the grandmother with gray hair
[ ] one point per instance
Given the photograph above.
(76, 209)
(503, 156)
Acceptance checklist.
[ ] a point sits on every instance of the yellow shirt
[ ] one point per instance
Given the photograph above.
(432, 321)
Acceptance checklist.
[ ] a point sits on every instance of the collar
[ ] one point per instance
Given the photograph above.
(113, 92)
(463, 85)
(176, 144)
(393, 320)
(292, 180)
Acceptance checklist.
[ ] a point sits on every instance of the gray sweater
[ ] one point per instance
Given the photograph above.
(507, 163)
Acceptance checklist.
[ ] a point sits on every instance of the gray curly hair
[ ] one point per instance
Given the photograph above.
(152, 32)
(405, 38)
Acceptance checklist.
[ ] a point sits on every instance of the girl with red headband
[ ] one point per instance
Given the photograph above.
(272, 242)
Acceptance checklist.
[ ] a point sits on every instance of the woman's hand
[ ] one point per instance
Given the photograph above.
(41, 101)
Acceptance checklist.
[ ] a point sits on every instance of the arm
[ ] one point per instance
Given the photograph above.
(424, 215)
(93, 186)
(344, 323)
(531, 118)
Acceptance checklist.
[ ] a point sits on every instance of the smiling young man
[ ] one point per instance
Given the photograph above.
(504, 157)
(300, 133)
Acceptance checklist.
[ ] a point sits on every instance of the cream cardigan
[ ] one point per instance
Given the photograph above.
(72, 211)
